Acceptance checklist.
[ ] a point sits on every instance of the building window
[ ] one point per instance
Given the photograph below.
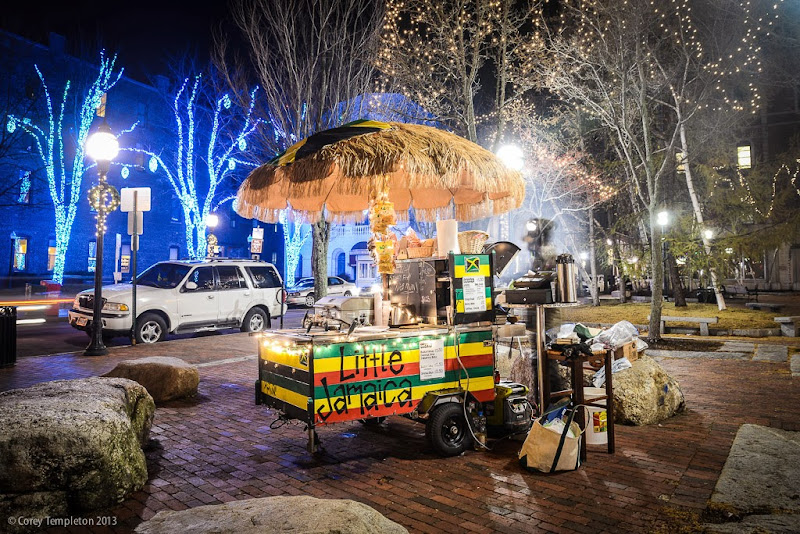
(743, 156)
(51, 254)
(274, 258)
(299, 272)
(174, 252)
(176, 209)
(24, 187)
(92, 255)
(20, 253)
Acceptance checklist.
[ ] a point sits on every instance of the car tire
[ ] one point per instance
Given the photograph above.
(256, 320)
(310, 300)
(450, 435)
(150, 328)
(348, 294)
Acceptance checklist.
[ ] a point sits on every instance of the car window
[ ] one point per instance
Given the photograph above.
(230, 277)
(264, 277)
(304, 284)
(203, 277)
(163, 275)
(332, 281)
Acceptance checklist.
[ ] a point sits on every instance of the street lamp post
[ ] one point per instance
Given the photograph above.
(102, 146)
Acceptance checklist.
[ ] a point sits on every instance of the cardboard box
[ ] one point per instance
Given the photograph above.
(628, 350)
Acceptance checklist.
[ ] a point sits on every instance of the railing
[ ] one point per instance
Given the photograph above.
(342, 230)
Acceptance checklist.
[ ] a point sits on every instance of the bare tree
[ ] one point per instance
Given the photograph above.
(436, 53)
(53, 139)
(312, 59)
(602, 61)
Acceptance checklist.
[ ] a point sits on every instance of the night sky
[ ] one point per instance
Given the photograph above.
(144, 33)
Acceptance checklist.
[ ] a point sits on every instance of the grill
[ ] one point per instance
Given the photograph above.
(87, 301)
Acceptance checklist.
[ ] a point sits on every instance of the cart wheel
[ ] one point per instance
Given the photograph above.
(372, 421)
(449, 432)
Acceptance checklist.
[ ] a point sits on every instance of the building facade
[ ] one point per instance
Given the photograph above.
(28, 223)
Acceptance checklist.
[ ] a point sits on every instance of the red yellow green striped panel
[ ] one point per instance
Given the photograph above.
(349, 381)
(373, 379)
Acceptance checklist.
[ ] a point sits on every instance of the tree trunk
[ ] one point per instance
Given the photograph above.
(319, 257)
(675, 280)
(698, 214)
(592, 263)
(657, 266)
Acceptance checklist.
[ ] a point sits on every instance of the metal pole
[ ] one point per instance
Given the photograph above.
(282, 302)
(541, 362)
(135, 247)
(96, 346)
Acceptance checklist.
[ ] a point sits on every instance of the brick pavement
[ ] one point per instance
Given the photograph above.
(220, 447)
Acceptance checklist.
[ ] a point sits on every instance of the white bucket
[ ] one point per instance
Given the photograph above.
(597, 418)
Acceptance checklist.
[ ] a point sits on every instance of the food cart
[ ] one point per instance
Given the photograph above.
(434, 362)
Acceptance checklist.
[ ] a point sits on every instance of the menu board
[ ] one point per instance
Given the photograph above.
(431, 358)
(474, 294)
(472, 287)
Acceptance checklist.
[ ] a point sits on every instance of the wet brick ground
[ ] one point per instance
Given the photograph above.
(220, 447)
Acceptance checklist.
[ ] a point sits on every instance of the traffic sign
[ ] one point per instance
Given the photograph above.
(142, 200)
(139, 223)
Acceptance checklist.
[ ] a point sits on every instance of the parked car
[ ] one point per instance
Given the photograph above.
(187, 296)
(303, 290)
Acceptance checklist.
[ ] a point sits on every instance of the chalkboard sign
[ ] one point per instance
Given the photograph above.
(412, 288)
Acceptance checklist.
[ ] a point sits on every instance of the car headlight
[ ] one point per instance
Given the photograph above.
(294, 294)
(115, 306)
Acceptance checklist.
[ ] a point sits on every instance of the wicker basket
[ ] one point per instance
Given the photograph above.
(419, 252)
(471, 241)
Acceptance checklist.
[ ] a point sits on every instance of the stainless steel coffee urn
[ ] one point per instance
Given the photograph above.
(566, 290)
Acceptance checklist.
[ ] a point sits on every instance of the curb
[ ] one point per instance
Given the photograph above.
(740, 332)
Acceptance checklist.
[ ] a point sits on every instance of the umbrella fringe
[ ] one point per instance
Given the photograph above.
(434, 214)
(409, 156)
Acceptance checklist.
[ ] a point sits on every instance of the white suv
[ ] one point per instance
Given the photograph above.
(187, 296)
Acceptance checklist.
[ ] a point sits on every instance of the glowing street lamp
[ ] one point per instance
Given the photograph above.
(102, 146)
(662, 218)
(708, 234)
(511, 156)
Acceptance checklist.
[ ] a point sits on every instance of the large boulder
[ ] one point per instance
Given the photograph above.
(164, 377)
(645, 394)
(274, 515)
(72, 446)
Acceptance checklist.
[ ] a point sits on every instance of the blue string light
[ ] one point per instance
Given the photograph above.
(295, 236)
(189, 164)
(125, 172)
(64, 180)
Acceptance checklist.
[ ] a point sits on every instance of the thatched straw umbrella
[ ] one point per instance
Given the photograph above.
(334, 174)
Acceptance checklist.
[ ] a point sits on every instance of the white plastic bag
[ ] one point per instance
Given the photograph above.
(599, 378)
(617, 335)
